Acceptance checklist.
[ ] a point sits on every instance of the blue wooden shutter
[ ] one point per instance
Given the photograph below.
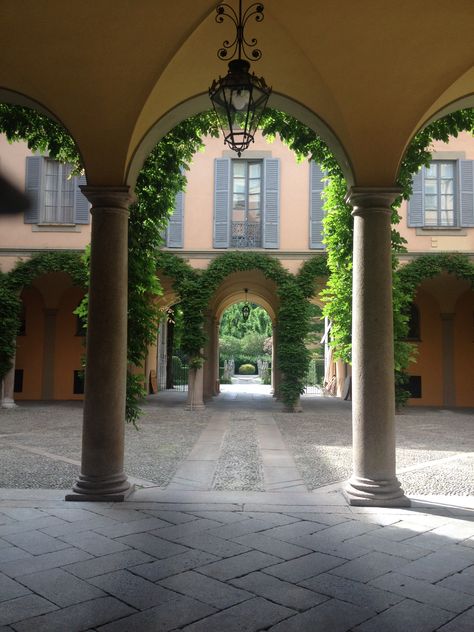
(416, 201)
(466, 190)
(81, 203)
(316, 212)
(34, 172)
(271, 208)
(174, 232)
(221, 202)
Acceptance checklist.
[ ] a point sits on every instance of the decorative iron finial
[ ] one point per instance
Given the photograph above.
(239, 44)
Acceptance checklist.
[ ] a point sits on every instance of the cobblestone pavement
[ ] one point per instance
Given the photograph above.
(258, 553)
(234, 561)
(242, 441)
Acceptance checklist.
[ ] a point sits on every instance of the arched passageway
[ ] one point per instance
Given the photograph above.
(155, 49)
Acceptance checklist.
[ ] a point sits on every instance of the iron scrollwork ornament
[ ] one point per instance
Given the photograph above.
(240, 45)
(240, 97)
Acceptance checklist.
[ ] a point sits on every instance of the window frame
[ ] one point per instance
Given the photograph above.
(438, 163)
(245, 241)
(62, 176)
(35, 187)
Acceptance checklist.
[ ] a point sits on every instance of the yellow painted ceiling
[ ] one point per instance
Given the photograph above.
(371, 72)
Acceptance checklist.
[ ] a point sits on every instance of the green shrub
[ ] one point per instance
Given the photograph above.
(247, 369)
(177, 364)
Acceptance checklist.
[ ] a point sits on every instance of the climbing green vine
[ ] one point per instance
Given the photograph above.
(160, 180)
(195, 290)
(21, 276)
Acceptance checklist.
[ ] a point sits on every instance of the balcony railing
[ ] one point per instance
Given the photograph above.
(246, 235)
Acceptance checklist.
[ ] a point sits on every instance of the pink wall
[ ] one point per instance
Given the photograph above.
(432, 241)
(14, 233)
(294, 199)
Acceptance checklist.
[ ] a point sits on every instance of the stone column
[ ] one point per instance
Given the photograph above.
(216, 367)
(276, 375)
(374, 481)
(449, 390)
(102, 477)
(195, 389)
(8, 384)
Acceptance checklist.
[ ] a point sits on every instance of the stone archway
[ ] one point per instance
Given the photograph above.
(232, 290)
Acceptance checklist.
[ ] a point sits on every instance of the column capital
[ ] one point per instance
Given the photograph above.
(372, 199)
(109, 197)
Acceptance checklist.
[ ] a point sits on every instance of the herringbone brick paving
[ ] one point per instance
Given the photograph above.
(226, 561)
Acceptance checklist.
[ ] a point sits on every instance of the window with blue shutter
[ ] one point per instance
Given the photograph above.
(443, 195)
(415, 203)
(316, 211)
(271, 206)
(175, 231)
(247, 203)
(221, 203)
(55, 195)
(466, 187)
(34, 178)
(81, 203)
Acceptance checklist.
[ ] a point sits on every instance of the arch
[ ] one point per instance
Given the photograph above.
(458, 96)
(201, 103)
(232, 290)
(13, 97)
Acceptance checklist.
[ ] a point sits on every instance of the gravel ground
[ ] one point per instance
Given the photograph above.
(239, 467)
(23, 469)
(164, 439)
(319, 440)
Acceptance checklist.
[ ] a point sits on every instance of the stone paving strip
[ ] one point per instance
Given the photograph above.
(206, 561)
(40, 446)
(198, 470)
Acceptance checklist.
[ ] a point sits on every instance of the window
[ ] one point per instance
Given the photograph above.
(56, 199)
(58, 207)
(78, 382)
(317, 183)
(246, 203)
(18, 381)
(443, 196)
(174, 233)
(414, 386)
(246, 200)
(439, 194)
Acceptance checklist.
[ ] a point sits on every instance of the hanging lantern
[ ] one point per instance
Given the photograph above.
(246, 308)
(240, 97)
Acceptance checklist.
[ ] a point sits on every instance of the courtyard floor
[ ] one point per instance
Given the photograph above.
(237, 524)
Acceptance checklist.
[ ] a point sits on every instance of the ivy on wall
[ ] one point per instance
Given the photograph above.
(162, 178)
(196, 288)
(22, 276)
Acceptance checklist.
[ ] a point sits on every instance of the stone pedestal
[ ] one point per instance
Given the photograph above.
(374, 482)
(8, 388)
(195, 399)
(102, 477)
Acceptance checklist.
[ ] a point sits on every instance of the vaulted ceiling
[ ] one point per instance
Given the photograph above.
(119, 73)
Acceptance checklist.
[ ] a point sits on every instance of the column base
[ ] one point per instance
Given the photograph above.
(8, 403)
(101, 489)
(366, 492)
(195, 407)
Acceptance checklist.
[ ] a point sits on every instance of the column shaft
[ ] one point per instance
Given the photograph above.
(102, 476)
(374, 480)
(8, 387)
